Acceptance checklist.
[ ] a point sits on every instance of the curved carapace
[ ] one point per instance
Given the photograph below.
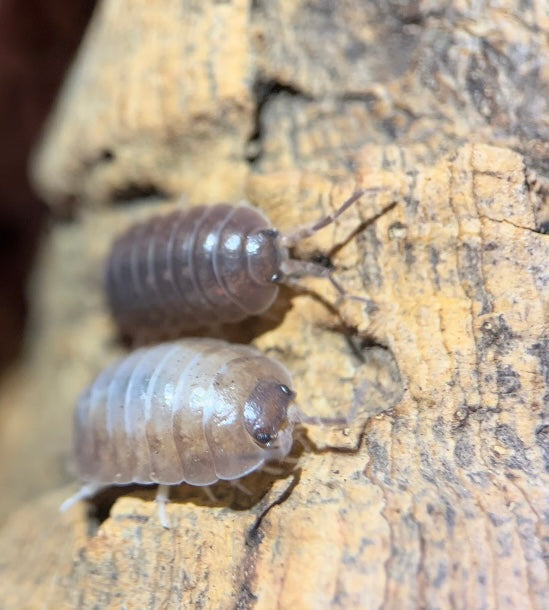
(193, 268)
(203, 266)
(193, 411)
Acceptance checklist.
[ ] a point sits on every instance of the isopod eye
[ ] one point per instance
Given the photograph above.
(263, 438)
(270, 232)
(266, 411)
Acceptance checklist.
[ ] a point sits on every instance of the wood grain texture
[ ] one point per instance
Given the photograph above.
(437, 495)
(145, 80)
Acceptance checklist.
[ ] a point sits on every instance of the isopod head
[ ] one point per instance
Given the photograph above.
(265, 256)
(266, 416)
(262, 387)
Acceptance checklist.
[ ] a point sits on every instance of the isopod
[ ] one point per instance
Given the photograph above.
(202, 266)
(193, 411)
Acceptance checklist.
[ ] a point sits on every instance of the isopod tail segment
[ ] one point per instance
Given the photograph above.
(291, 269)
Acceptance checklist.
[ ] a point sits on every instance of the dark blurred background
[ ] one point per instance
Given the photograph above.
(38, 39)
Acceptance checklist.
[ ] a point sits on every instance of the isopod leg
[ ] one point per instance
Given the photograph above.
(296, 415)
(84, 493)
(300, 438)
(272, 470)
(163, 496)
(293, 269)
(208, 491)
(238, 485)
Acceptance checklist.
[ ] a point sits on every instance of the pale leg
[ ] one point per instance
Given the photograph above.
(272, 470)
(162, 496)
(238, 485)
(208, 491)
(84, 493)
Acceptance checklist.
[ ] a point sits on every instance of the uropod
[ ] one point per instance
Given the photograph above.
(192, 411)
(202, 266)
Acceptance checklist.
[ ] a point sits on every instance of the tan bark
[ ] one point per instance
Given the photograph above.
(436, 496)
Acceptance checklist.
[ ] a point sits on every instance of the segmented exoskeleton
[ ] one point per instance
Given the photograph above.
(203, 266)
(194, 411)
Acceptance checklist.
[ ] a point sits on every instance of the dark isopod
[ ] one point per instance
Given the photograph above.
(203, 266)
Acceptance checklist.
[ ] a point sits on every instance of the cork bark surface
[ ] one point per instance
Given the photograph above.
(436, 495)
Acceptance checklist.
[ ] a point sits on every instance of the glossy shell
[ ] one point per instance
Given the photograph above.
(193, 268)
(193, 411)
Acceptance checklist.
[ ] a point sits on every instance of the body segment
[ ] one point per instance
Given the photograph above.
(190, 269)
